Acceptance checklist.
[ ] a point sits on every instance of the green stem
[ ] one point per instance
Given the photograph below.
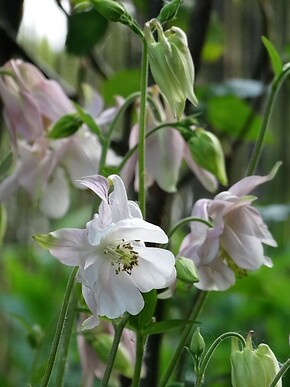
(140, 342)
(281, 373)
(187, 220)
(142, 127)
(187, 332)
(66, 336)
(277, 82)
(210, 352)
(114, 349)
(59, 329)
(107, 142)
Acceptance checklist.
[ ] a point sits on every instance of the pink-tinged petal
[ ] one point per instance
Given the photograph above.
(93, 102)
(10, 184)
(90, 323)
(206, 178)
(155, 269)
(246, 185)
(245, 250)
(98, 184)
(137, 229)
(70, 245)
(164, 153)
(54, 201)
(82, 157)
(216, 276)
(119, 295)
(249, 221)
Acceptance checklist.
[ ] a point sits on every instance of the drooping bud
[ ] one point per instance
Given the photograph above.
(253, 367)
(186, 270)
(169, 11)
(207, 152)
(115, 11)
(171, 65)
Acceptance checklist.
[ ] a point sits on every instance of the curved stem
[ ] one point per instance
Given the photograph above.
(210, 352)
(281, 373)
(59, 329)
(142, 127)
(268, 109)
(114, 349)
(108, 137)
(187, 332)
(140, 341)
(187, 220)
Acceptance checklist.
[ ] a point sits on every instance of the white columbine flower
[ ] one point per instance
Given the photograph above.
(115, 266)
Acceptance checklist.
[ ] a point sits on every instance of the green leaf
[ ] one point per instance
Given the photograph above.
(65, 126)
(165, 326)
(145, 316)
(88, 120)
(85, 29)
(276, 61)
(229, 114)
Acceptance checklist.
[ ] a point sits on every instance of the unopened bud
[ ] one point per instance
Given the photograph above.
(197, 345)
(169, 11)
(207, 152)
(186, 270)
(253, 367)
(111, 10)
(35, 336)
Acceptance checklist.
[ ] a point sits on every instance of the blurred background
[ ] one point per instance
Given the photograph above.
(233, 74)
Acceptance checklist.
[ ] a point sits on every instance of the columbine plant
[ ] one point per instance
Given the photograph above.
(120, 260)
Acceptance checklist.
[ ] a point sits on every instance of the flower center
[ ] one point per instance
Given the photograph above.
(122, 256)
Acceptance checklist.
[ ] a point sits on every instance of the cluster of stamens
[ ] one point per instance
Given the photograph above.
(123, 257)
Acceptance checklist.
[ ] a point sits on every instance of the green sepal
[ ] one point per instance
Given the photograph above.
(46, 241)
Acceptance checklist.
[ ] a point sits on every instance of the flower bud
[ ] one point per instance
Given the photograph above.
(111, 10)
(169, 11)
(197, 345)
(186, 270)
(207, 152)
(171, 65)
(35, 336)
(253, 368)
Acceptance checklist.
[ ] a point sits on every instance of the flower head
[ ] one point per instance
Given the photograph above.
(31, 105)
(115, 266)
(234, 242)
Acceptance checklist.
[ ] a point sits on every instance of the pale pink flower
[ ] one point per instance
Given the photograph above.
(115, 266)
(234, 243)
(31, 105)
(165, 151)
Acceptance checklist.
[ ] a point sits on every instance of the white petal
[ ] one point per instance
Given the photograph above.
(137, 229)
(118, 199)
(155, 269)
(119, 295)
(216, 276)
(55, 199)
(90, 322)
(69, 245)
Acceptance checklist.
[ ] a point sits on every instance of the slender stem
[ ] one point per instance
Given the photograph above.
(112, 126)
(142, 127)
(268, 109)
(114, 348)
(66, 336)
(281, 373)
(187, 332)
(187, 220)
(59, 329)
(140, 341)
(210, 352)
